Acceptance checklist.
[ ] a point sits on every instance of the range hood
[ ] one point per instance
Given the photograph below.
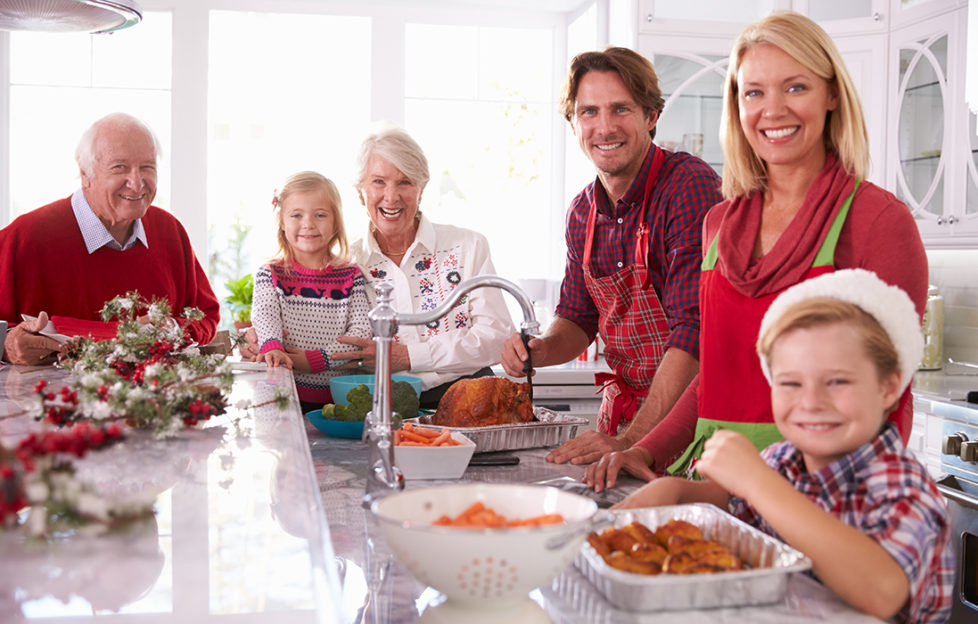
(95, 16)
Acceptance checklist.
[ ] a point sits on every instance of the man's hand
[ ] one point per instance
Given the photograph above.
(586, 448)
(25, 346)
(514, 354)
(604, 472)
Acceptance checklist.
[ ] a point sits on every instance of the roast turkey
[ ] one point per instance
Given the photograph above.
(484, 401)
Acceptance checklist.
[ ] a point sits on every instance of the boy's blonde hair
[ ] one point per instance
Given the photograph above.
(822, 311)
(305, 182)
(845, 128)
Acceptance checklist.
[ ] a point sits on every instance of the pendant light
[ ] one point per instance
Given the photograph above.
(94, 16)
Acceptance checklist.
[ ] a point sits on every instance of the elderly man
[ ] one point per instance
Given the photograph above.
(68, 258)
(633, 254)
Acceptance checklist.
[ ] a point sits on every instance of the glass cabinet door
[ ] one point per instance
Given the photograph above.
(971, 204)
(693, 87)
(922, 167)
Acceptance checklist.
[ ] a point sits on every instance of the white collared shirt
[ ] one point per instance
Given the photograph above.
(471, 336)
(95, 233)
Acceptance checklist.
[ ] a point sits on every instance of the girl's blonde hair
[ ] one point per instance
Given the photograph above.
(306, 182)
(822, 311)
(845, 127)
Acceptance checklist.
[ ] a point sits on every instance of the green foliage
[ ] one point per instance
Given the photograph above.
(404, 400)
(239, 299)
(404, 404)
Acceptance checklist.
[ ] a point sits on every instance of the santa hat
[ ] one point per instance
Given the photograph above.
(889, 305)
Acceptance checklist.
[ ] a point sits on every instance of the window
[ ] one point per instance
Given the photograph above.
(487, 133)
(286, 93)
(61, 82)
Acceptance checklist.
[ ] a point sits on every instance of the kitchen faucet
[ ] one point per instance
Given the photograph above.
(383, 476)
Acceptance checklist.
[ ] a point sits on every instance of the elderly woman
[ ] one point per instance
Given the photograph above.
(424, 262)
(796, 157)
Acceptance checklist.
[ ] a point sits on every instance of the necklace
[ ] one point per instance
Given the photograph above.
(388, 252)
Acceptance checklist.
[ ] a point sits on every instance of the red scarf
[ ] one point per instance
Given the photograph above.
(792, 255)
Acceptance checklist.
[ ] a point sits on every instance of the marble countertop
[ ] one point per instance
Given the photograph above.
(239, 532)
(377, 589)
(259, 518)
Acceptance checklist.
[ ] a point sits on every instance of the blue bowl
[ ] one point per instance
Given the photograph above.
(340, 386)
(335, 428)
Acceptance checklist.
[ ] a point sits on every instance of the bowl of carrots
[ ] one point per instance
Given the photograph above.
(485, 545)
(426, 453)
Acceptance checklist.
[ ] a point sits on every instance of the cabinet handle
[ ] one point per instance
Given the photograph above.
(952, 220)
(876, 16)
(940, 220)
(648, 17)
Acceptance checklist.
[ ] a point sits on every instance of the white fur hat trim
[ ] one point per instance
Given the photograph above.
(889, 305)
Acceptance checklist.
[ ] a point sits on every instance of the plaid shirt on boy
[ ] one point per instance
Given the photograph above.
(881, 489)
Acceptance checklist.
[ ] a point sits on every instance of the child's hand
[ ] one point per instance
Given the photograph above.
(300, 363)
(729, 459)
(277, 357)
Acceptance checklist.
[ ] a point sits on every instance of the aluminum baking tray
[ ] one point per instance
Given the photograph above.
(770, 563)
(549, 429)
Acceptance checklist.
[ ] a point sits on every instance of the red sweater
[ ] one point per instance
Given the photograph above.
(44, 266)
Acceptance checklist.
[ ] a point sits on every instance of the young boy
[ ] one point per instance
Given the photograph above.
(838, 351)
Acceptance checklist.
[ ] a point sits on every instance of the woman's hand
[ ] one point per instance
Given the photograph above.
(604, 472)
(277, 357)
(730, 460)
(366, 352)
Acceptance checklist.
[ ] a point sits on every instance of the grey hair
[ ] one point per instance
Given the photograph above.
(85, 152)
(397, 146)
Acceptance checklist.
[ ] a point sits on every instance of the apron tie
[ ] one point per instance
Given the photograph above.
(627, 401)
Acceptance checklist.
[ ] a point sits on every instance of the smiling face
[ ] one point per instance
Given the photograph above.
(783, 107)
(826, 393)
(611, 128)
(308, 224)
(122, 183)
(391, 199)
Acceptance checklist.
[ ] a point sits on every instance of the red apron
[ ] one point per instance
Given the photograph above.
(733, 392)
(631, 322)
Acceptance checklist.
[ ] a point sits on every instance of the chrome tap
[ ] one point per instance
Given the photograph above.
(383, 476)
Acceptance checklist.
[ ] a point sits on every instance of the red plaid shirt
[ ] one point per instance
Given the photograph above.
(881, 489)
(685, 189)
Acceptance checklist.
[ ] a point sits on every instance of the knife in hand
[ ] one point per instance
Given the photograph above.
(528, 364)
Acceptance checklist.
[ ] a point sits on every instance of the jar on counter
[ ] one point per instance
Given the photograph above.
(933, 331)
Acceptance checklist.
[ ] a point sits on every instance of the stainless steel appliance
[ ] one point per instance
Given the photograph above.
(959, 460)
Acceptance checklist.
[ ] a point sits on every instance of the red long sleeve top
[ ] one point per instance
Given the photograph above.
(44, 266)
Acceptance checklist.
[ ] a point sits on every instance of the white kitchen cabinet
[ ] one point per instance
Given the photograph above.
(691, 74)
(931, 164)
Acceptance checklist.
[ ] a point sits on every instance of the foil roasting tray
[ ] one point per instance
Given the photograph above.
(549, 429)
(769, 561)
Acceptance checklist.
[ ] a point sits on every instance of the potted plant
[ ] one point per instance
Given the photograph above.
(239, 300)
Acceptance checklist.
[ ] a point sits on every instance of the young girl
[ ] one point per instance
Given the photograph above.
(838, 350)
(309, 294)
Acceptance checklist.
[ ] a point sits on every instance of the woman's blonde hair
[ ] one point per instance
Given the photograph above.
(396, 146)
(822, 311)
(845, 127)
(311, 182)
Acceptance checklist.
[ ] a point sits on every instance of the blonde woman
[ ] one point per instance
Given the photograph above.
(797, 206)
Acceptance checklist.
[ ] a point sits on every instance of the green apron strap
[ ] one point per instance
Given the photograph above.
(760, 434)
(710, 260)
(826, 253)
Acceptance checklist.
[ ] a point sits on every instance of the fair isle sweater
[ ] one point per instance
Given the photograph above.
(314, 306)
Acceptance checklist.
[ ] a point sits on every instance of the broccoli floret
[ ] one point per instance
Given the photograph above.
(361, 402)
(335, 412)
(404, 400)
